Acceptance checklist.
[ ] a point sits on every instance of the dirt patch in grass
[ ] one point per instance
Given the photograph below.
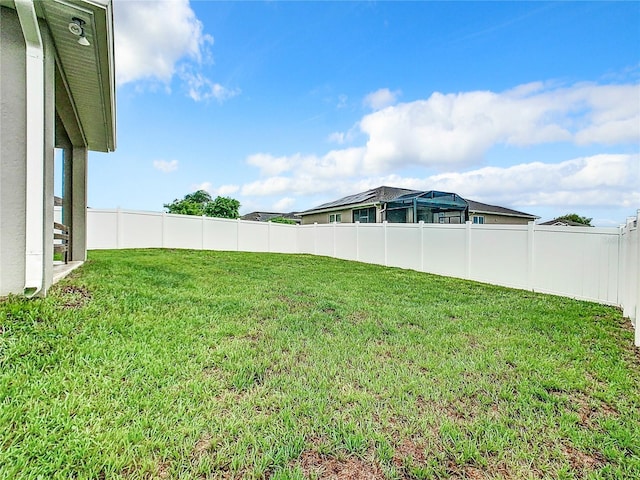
(211, 371)
(470, 473)
(202, 445)
(74, 296)
(163, 470)
(475, 472)
(253, 337)
(410, 451)
(314, 464)
(358, 316)
(583, 462)
(294, 304)
(589, 413)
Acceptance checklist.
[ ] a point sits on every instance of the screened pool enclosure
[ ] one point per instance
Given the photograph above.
(427, 207)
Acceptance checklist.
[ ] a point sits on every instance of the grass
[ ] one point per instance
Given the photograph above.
(184, 364)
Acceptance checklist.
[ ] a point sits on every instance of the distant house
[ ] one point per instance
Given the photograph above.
(268, 216)
(494, 215)
(395, 205)
(364, 207)
(563, 222)
(401, 205)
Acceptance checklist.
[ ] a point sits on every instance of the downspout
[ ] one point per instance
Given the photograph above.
(34, 242)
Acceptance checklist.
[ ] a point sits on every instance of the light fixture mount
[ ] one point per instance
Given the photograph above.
(76, 26)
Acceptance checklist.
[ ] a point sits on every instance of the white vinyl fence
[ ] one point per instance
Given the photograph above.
(596, 264)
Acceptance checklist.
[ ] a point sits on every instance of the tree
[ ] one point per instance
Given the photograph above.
(201, 203)
(192, 204)
(223, 207)
(287, 221)
(574, 217)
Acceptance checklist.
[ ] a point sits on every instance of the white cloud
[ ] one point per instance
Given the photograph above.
(152, 37)
(201, 88)
(270, 165)
(599, 180)
(336, 137)
(225, 190)
(270, 186)
(279, 185)
(454, 132)
(460, 128)
(157, 40)
(165, 166)
(222, 191)
(284, 204)
(206, 186)
(606, 180)
(381, 98)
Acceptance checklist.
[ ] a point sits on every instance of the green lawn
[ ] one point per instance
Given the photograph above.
(184, 364)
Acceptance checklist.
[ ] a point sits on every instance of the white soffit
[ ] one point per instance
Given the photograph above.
(88, 71)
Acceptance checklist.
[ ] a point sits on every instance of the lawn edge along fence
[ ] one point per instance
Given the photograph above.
(588, 263)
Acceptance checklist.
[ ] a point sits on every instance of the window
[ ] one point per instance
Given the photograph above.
(335, 218)
(478, 219)
(365, 215)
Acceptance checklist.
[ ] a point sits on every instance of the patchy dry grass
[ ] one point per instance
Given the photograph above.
(181, 364)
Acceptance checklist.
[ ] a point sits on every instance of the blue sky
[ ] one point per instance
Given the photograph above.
(285, 105)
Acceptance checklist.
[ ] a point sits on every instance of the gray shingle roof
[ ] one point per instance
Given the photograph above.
(375, 195)
(386, 194)
(563, 222)
(480, 207)
(266, 216)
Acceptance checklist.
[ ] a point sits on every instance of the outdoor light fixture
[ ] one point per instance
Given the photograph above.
(77, 28)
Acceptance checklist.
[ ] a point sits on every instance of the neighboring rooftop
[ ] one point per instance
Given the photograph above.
(563, 222)
(385, 194)
(479, 207)
(375, 195)
(266, 216)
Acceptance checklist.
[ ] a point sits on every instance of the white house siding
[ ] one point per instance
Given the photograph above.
(13, 154)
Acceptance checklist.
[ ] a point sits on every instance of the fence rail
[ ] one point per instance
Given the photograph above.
(596, 264)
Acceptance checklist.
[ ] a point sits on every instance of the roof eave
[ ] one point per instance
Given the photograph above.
(109, 84)
(486, 212)
(100, 133)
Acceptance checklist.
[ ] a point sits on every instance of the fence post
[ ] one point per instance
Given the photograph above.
(163, 230)
(202, 233)
(357, 241)
(315, 238)
(118, 228)
(467, 239)
(334, 239)
(421, 222)
(237, 235)
(530, 255)
(269, 237)
(386, 255)
(467, 249)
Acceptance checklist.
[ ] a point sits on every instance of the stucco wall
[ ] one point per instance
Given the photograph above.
(500, 219)
(12, 152)
(347, 217)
